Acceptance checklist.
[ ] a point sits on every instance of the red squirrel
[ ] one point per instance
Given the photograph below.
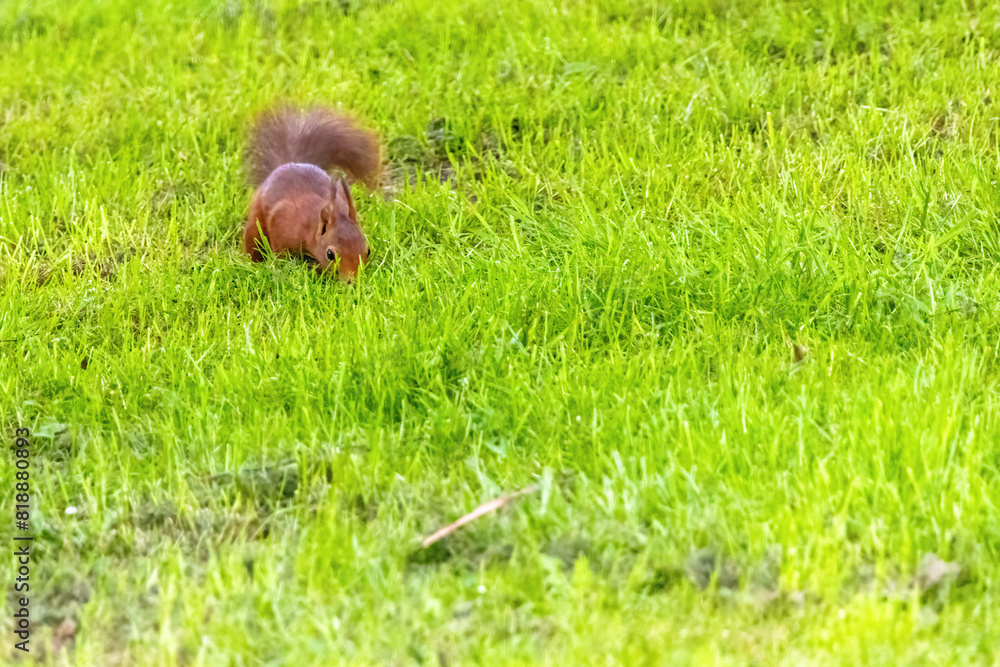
(300, 209)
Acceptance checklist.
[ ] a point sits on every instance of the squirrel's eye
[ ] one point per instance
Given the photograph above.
(330, 256)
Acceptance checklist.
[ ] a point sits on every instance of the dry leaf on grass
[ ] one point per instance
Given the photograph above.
(485, 508)
(65, 635)
(932, 572)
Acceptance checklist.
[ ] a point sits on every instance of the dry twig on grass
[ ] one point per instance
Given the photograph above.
(485, 508)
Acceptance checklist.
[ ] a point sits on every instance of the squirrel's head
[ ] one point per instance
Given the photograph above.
(340, 243)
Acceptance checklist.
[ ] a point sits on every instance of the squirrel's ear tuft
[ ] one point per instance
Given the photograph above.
(341, 200)
(351, 211)
(324, 219)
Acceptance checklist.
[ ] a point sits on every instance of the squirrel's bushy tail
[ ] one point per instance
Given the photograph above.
(316, 136)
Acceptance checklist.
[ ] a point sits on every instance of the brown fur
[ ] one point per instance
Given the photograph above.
(300, 209)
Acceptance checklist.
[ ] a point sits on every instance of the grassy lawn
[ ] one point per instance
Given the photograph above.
(719, 279)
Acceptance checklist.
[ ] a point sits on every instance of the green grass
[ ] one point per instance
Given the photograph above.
(610, 224)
